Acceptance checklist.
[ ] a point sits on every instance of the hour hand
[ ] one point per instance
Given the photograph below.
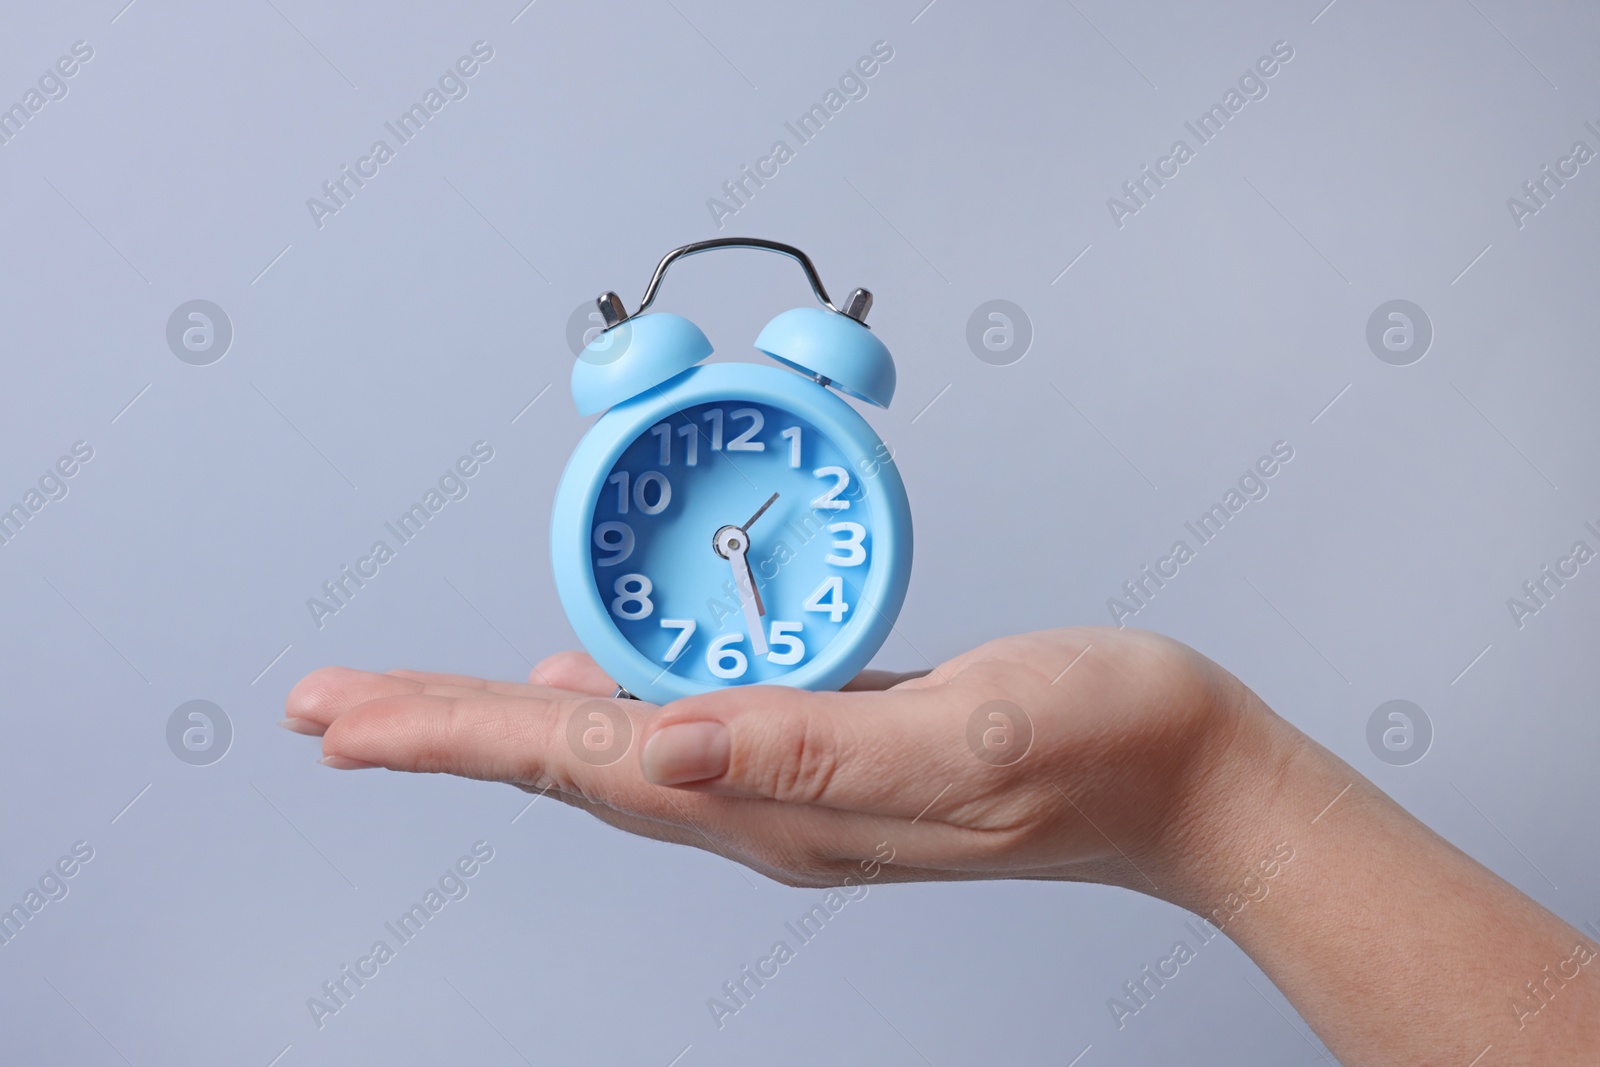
(762, 510)
(733, 544)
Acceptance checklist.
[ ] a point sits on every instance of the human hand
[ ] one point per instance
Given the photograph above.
(1102, 755)
(1077, 754)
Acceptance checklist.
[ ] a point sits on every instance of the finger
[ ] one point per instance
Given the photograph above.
(439, 678)
(851, 751)
(477, 735)
(493, 685)
(575, 671)
(323, 695)
(873, 681)
(574, 743)
(532, 742)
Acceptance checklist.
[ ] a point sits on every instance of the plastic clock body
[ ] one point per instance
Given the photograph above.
(674, 583)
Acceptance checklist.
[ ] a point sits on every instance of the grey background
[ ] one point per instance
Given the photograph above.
(369, 354)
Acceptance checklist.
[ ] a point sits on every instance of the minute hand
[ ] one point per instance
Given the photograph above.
(749, 595)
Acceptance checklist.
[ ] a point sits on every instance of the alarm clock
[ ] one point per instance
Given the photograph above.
(731, 523)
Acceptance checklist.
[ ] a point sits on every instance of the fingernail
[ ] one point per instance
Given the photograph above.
(303, 726)
(688, 752)
(345, 763)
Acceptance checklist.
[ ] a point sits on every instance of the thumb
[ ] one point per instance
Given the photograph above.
(851, 751)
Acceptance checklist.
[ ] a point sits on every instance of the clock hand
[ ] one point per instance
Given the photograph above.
(744, 553)
(732, 544)
(762, 510)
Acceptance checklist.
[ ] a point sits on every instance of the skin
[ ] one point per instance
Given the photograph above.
(1149, 767)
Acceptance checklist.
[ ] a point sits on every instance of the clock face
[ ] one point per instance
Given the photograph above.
(702, 581)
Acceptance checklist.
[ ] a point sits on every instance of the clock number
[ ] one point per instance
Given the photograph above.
(793, 434)
(841, 481)
(714, 417)
(743, 442)
(616, 538)
(691, 445)
(664, 431)
(663, 492)
(725, 662)
(786, 635)
(828, 597)
(685, 628)
(633, 589)
(855, 553)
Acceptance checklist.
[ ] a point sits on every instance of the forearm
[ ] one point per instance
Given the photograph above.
(1394, 945)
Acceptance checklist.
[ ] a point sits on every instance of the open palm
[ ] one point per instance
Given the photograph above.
(1060, 754)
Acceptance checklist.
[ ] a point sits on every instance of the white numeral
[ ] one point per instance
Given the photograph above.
(828, 597)
(841, 482)
(785, 635)
(855, 553)
(663, 492)
(793, 434)
(725, 662)
(743, 442)
(616, 538)
(714, 417)
(685, 628)
(691, 445)
(664, 431)
(633, 589)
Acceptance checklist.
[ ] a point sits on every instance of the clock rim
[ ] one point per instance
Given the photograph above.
(852, 648)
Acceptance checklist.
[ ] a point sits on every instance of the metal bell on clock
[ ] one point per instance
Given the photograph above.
(634, 355)
(834, 347)
(640, 351)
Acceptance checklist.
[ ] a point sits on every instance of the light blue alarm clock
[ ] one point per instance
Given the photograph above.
(734, 523)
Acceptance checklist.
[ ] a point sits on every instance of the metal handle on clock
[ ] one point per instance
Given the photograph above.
(615, 313)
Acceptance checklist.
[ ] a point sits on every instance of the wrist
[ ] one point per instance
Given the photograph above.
(1238, 800)
(1358, 912)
